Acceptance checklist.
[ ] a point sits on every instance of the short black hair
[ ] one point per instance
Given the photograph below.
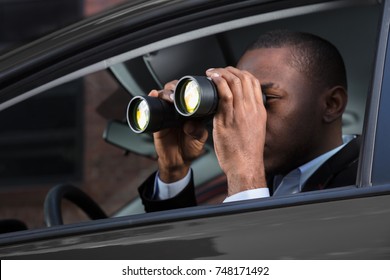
(312, 55)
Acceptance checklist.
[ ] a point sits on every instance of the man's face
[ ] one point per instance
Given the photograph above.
(294, 109)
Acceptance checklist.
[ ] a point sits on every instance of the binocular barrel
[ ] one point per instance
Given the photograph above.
(194, 97)
(151, 114)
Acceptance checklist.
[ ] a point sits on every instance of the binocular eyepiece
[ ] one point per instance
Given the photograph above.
(194, 97)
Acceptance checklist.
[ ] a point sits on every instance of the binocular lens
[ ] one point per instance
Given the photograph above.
(151, 114)
(191, 96)
(142, 115)
(138, 114)
(195, 96)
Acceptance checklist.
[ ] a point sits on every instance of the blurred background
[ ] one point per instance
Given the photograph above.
(61, 141)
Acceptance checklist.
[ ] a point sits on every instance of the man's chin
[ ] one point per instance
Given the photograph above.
(273, 168)
(269, 168)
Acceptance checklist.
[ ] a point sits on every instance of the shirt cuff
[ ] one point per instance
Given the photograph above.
(166, 191)
(248, 194)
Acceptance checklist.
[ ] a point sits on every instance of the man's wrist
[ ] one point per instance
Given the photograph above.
(169, 190)
(172, 174)
(249, 194)
(238, 182)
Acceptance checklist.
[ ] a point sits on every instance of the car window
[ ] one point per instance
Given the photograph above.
(149, 71)
(40, 139)
(380, 173)
(57, 137)
(105, 159)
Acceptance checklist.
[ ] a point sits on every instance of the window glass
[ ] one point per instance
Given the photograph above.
(40, 139)
(57, 137)
(380, 172)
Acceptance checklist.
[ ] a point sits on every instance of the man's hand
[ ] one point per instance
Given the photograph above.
(239, 128)
(177, 147)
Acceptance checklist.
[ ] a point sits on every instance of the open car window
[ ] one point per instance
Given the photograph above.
(225, 48)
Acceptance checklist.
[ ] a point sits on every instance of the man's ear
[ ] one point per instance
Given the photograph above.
(336, 100)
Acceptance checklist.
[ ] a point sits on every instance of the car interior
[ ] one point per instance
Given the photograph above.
(353, 29)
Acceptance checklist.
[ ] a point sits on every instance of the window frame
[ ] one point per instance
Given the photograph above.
(377, 133)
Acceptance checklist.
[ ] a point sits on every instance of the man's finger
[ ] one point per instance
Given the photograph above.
(196, 130)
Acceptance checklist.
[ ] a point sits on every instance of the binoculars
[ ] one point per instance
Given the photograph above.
(194, 97)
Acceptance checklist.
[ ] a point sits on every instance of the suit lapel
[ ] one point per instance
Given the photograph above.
(344, 160)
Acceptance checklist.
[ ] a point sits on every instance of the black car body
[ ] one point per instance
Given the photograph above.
(350, 222)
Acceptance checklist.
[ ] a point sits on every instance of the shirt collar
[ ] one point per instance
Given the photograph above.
(303, 173)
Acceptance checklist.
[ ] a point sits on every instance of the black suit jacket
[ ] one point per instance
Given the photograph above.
(339, 170)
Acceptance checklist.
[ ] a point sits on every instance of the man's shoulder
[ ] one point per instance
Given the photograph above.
(339, 170)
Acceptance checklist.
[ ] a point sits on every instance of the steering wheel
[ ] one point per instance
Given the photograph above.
(52, 205)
